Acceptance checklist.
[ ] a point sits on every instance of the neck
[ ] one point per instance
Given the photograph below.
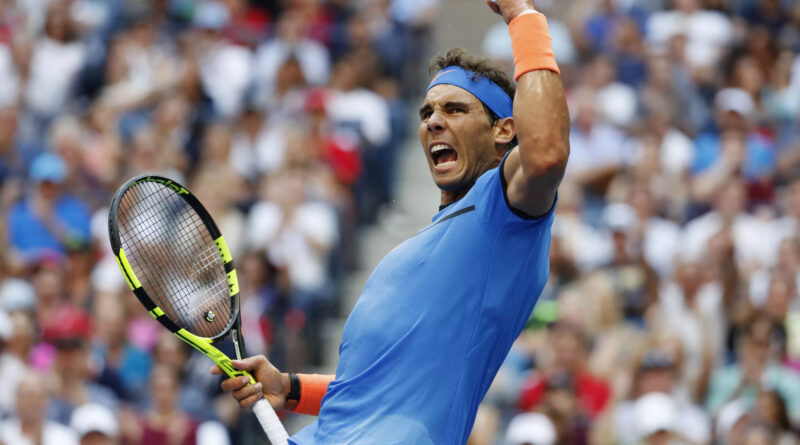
(451, 197)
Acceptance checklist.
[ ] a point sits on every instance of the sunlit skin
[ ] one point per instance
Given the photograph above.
(452, 116)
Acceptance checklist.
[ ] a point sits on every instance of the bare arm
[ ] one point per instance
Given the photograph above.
(534, 169)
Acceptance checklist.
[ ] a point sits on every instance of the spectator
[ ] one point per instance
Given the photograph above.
(12, 369)
(58, 58)
(164, 423)
(567, 372)
(736, 147)
(756, 368)
(71, 377)
(225, 68)
(95, 425)
(257, 147)
(530, 429)
(48, 221)
(708, 33)
(598, 149)
(30, 424)
(290, 41)
(123, 367)
(657, 377)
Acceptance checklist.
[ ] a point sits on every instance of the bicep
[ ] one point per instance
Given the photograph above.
(532, 195)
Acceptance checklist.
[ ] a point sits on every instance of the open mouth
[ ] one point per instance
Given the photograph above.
(443, 155)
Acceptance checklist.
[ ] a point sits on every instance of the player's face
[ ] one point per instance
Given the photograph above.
(457, 137)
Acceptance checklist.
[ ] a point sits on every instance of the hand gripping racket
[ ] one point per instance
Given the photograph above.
(177, 263)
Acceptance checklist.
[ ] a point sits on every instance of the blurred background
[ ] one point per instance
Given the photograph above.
(671, 314)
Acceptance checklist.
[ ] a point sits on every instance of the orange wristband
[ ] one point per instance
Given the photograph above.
(312, 389)
(532, 45)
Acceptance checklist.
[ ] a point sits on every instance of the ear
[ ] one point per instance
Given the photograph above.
(504, 131)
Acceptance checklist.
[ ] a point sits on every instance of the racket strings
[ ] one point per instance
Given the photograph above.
(207, 263)
(174, 257)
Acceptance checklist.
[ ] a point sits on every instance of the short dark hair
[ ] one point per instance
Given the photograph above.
(480, 66)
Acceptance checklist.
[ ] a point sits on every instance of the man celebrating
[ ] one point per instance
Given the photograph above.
(440, 312)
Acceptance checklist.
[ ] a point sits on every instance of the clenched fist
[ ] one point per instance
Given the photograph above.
(510, 9)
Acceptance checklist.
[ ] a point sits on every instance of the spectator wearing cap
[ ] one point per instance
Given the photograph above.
(733, 147)
(657, 374)
(30, 426)
(530, 429)
(69, 331)
(95, 425)
(48, 222)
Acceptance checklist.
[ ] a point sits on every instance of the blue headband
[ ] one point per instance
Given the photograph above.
(484, 89)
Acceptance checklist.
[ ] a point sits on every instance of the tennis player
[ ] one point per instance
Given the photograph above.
(439, 314)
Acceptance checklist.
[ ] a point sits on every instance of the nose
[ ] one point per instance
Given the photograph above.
(436, 122)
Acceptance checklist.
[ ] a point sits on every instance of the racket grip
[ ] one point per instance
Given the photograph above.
(270, 423)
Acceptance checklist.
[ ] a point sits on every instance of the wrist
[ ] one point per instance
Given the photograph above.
(519, 12)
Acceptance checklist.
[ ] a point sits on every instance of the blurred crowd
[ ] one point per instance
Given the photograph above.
(283, 116)
(671, 315)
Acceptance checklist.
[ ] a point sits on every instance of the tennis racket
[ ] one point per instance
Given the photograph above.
(176, 262)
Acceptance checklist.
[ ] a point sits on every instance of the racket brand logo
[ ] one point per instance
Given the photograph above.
(233, 283)
(177, 188)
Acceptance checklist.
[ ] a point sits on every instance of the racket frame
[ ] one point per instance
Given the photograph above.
(202, 344)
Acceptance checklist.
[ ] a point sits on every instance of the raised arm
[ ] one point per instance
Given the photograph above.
(534, 169)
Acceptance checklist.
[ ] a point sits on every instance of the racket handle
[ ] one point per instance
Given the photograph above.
(270, 423)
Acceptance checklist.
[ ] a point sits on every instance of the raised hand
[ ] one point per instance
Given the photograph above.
(510, 9)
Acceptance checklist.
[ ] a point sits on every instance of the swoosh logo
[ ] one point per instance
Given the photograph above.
(442, 74)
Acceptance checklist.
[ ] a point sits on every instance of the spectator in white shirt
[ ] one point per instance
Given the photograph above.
(747, 231)
(291, 41)
(225, 68)
(30, 426)
(58, 58)
(295, 232)
(598, 149)
(708, 33)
